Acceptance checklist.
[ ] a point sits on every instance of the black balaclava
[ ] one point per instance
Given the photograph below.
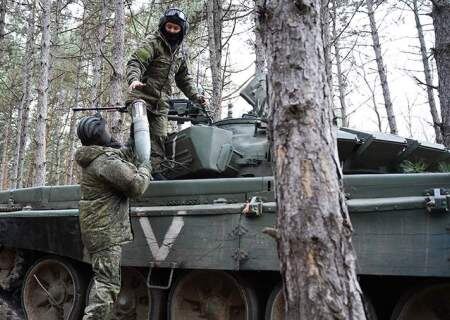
(176, 16)
(174, 39)
(92, 131)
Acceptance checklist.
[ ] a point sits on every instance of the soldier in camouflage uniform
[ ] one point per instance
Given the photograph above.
(108, 180)
(151, 72)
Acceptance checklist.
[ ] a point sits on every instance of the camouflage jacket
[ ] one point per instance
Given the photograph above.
(107, 181)
(158, 67)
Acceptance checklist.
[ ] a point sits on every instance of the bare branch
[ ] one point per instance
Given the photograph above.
(424, 84)
(109, 62)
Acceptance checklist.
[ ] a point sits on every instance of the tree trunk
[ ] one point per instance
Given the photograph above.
(118, 72)
(54, 33)
(214, 20)
(72, 137)
(53, 123)
(381, 68)
(98, 58)
(24, 106)
(41, 125)
(325, 27)
(56, 127)
(340, 76)
(59, 163)
(260, 59)
(73, 127)
(314, 230)
(441, 21)
(4, 160)
(73, 118)
(29, 180)
(72, 131)
(3, 8)
(428, 78)
(373, 98)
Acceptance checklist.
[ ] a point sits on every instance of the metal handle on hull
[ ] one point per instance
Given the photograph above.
(172, 266)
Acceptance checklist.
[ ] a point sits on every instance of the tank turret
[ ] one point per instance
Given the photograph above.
(238, 147)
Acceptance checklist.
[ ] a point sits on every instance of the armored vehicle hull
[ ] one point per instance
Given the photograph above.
(199, 248)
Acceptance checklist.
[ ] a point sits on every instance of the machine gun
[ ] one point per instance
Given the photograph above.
(181, 110)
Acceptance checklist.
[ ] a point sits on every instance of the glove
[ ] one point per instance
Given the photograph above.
(146, 165)
(202, 100)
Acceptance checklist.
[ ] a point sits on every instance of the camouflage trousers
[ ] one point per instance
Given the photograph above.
(158, 134)
(158, 124)
(106, 285)
(158, 152)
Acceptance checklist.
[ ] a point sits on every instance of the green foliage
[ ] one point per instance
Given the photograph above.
(443, 167)
(420, 167)
(413, 167)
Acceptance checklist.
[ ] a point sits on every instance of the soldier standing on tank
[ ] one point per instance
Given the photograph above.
(108, 179)
(151, 72)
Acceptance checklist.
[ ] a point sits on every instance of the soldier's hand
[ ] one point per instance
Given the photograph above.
(202, 101)
(135, 85)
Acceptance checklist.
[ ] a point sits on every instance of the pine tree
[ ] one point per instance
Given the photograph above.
(42, 107)
(441, 21)
(314, 230)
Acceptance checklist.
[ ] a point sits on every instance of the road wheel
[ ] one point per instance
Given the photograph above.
(431, 302)
(53, 290)
(275, 304)
(212, 295)
(369, 308)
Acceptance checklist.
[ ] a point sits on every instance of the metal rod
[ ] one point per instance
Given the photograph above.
(120, 109)
(50, 297)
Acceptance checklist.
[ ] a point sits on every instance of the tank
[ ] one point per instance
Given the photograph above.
(199, 251)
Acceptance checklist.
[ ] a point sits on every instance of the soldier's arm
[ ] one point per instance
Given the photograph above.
(125, 176)
(138, 63)
(127, 152)
(185, 82)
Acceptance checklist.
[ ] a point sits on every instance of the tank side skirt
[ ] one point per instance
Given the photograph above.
(215, 236)
(47, 234)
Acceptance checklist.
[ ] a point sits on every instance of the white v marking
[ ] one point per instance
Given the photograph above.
(161, 253)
